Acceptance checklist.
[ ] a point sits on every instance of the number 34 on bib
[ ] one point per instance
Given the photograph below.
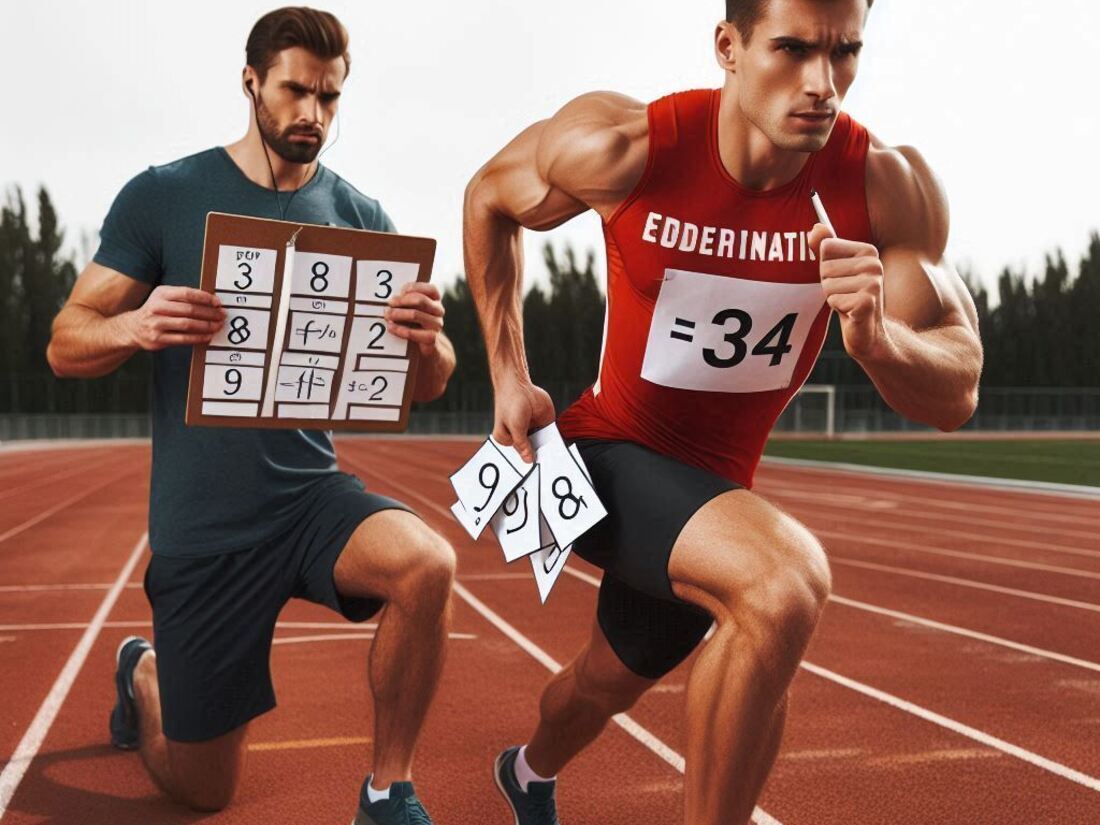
(721, 334)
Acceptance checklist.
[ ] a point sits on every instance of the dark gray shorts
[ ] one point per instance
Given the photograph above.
(214, 616)
(649, 498)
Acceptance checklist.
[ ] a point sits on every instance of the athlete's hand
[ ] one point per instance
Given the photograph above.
(520, 408)
(174, 315)
(415, 313)
(851, 275)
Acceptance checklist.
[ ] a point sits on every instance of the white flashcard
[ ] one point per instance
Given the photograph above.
(315, 333)
(482, 484)
(548, 562)
(319, 275)
(304, 384)
(513, 456)
(567, 498)
(379, 281)
(369, 336)
(465, 519)
(241, 269)
(228, 382)
(516, 523)
(243, 328)
(576, 453)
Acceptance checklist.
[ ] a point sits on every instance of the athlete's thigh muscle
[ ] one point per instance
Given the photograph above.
(739, 544)
(384, 551)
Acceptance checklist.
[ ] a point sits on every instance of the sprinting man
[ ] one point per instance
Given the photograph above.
(241, 520)
(720, 288)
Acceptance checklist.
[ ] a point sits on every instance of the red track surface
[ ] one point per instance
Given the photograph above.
(955, 677)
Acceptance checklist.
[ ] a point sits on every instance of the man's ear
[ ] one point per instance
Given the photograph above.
(727, 43)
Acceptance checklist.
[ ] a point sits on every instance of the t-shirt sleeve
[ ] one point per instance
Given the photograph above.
(382, 221)
(130, 241)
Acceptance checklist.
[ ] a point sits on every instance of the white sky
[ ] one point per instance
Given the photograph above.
(999, 95)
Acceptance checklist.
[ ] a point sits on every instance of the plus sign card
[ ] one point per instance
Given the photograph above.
(305, 344)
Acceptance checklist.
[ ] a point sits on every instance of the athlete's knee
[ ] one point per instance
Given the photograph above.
(205, 775)
(429, 573)
(781, 607)
(210, 798)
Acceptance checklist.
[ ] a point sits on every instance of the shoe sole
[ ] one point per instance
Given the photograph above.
(500, 787)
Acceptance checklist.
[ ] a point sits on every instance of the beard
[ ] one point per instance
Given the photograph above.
(280, 142)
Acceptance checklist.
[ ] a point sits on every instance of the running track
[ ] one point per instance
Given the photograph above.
(955, 676)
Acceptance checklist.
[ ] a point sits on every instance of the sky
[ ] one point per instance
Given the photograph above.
(998, 95)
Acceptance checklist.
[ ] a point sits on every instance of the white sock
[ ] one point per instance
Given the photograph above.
(524, 774)
(375, 795)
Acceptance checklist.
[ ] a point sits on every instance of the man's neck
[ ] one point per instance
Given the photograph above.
(747, 154)
(248, 154)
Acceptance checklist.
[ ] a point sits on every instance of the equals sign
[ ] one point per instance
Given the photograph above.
(683, 336)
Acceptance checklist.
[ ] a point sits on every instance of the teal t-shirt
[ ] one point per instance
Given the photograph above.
(217, 490)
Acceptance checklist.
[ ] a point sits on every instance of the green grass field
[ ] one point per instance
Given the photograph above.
(1068, 462)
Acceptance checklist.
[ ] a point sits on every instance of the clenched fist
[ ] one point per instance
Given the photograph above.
(851, 275)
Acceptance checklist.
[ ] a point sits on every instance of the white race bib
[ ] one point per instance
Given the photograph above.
(722, 334)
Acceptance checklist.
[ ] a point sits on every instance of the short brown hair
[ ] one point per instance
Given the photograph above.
(745, 14)
(318, 32)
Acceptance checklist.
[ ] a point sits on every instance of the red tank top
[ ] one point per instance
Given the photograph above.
(715, 312)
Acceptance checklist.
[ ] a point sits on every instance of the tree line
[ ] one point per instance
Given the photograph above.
(1037, 332)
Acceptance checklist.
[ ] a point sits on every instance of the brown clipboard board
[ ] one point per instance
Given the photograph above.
(362, 305)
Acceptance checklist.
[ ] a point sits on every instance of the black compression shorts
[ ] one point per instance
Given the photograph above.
(649, 498)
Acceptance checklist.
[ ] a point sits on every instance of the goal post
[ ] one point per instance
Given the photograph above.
(812, 411)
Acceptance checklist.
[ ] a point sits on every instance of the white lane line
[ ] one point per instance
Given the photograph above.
(957, 554)
(338, 637)
(1046, 488)
(38, 588)
(909, 617)
(148, 623)
(653, 743)
(892, 521)
(837, 483)
(923, 713)
(624, 721)
(32, 740)
(976, 585)
(54, 477)
(1057, 768)
(26, 525)
(962, 631)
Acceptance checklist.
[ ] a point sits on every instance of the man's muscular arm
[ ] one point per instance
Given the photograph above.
(905, 313)
(589, 155)
(109, 316)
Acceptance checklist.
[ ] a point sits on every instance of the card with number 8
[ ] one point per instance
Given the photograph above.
(566, 497)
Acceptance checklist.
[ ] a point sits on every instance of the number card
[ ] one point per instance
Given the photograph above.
(548, 562)
(305, 344)
(720, 334)
(484, 482)
(516, 523)
(566, 496)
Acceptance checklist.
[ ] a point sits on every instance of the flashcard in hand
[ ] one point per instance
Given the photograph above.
(483, 483)
(566, 496)
(548, 562)
(516, 523)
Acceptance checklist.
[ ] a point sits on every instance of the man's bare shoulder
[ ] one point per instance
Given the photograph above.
(596, 144)
(906, 201)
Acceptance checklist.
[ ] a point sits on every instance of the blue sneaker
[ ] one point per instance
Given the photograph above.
(402, 808)
(536, 806)
(124, 719)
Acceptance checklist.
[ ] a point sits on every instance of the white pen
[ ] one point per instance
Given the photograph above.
(819, 208)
